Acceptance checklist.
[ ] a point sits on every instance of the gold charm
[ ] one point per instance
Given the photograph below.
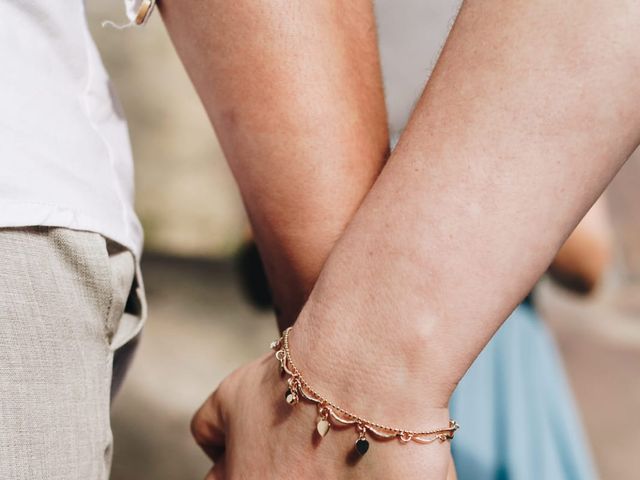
(323, 427)
(291, 397)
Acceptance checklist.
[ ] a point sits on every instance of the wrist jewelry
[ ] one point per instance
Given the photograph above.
(329, 413)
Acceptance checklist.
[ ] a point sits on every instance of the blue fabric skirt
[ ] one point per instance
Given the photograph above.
(517, 414)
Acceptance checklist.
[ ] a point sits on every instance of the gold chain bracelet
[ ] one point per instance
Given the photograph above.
(329, 413)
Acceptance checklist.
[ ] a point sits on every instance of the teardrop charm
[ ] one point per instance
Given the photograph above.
(362, 446)
(323, 427)
(290, 397)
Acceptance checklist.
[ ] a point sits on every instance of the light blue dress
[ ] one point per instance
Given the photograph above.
(517, 414)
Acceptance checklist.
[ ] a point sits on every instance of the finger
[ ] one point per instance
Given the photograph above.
(208, 427)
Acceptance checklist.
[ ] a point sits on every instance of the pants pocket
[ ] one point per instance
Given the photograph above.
(128, 309)
(127, 313)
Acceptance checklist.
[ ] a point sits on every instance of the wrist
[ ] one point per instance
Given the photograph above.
(386, 374)
(406, 457)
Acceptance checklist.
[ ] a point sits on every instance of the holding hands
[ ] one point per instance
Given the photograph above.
(404, 272)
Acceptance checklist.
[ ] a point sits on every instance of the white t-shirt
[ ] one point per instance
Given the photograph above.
(65, 157)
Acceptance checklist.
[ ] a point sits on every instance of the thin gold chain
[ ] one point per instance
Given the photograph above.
(323, 401)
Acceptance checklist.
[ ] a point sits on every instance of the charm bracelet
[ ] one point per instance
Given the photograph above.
(331, 414)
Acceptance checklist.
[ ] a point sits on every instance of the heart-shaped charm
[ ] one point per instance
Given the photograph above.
(323, 427)
(362, 446)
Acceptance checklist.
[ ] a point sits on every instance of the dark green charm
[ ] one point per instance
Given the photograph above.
(362, 446)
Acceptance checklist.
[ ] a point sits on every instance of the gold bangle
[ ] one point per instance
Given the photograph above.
(329, 413)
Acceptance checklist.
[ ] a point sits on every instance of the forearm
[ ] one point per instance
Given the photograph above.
(531, 110)
(294, 93)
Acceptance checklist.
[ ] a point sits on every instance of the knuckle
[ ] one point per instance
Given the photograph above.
(207, 420)
(198, 430)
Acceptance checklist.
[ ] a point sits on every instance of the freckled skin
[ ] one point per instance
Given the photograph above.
(531, 110)
(294, 92)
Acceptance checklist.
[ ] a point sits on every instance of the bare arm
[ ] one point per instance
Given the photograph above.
(294, 92)
(530, 112)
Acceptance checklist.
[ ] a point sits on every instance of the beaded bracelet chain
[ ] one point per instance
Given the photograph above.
(331, 414)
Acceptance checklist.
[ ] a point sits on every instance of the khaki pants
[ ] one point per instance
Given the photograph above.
(71, 306)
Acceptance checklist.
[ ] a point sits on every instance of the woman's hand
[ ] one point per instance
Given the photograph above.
(250, 432)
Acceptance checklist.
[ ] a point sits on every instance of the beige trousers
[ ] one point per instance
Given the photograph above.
(71, 307)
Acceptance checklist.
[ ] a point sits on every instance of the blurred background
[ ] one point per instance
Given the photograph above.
(200, 326)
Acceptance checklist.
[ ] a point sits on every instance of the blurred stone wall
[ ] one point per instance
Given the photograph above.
(185, 195)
